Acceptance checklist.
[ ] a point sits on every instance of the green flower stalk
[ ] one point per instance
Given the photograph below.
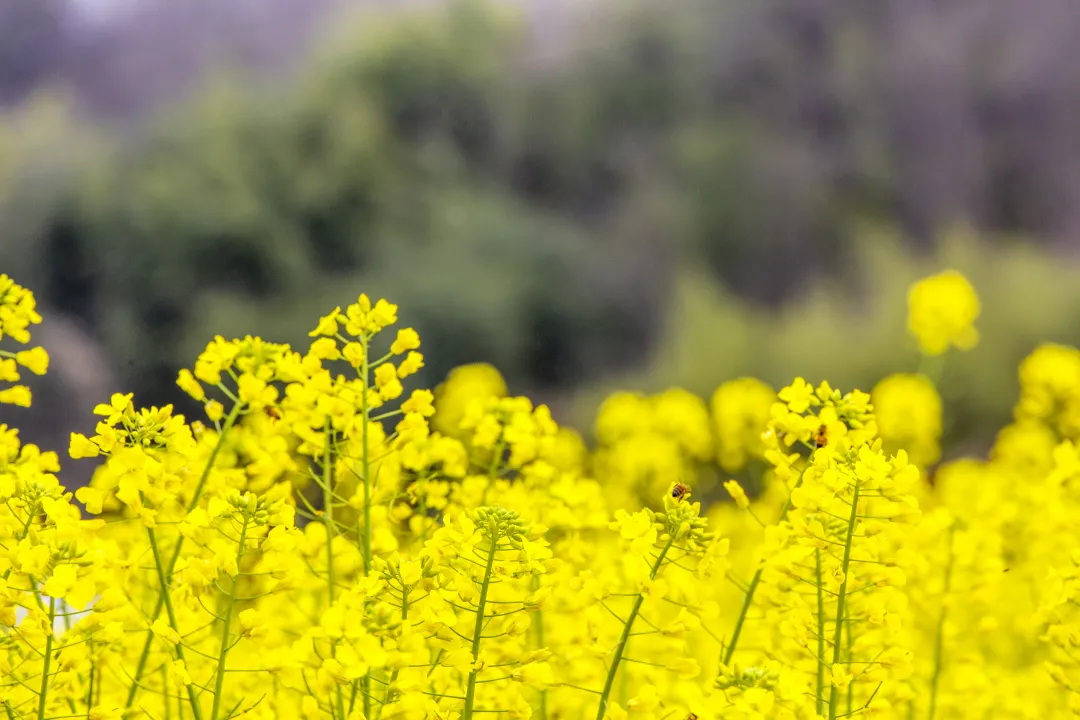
(166, 572)
(628, 626)
(841, 598)
(503, 531)
(230, 607)
(656, 534)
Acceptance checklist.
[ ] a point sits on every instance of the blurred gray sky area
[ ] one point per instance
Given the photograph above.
(121, 57)
(102, 10)
(124, 56)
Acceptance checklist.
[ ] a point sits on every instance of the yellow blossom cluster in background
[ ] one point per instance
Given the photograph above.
(17, 313)
(326, 542)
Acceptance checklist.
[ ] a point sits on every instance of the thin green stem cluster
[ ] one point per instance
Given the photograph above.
(841, 599)
(166, 598)
(819, 699)
(751, 589)
(226, 640)
(624, 638)
(478, 627)
(164, 573)
(43, 693)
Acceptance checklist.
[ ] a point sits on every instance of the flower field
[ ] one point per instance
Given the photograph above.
(327, 542)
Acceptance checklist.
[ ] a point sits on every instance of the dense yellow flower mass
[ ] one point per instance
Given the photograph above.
(329, 543)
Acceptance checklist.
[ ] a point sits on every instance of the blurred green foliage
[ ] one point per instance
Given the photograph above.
(569, 220)
(854, 333)
(405, 163)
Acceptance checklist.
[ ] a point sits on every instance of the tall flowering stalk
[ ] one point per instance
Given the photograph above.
(838, 568)
(676, 537)
(830, 556)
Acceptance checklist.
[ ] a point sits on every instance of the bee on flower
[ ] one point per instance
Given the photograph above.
(680, 491)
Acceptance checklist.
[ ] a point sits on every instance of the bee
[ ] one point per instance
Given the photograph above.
(691, 716)
(272, 412)
(680, 491)
(821, 437)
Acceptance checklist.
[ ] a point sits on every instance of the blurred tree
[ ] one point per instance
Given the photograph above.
(530, 208)
(382, 174)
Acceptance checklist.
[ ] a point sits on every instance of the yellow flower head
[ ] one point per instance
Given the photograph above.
(363, 319)
(18, 395)
(908, 412)
(463, 386)
(407, 339)
(735, 490)
(942, 310)
(35, 360)
(17, 311)
(740, 410)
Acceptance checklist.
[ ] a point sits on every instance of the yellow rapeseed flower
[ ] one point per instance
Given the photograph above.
(18, 395)
(942, 310)
(407, 339)
(908, 412)
(17, 311)
(462, 386)
(35, 360)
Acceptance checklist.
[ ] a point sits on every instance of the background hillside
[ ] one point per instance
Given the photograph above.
(587, 195)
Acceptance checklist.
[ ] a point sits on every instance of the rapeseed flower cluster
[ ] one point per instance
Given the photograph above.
(324, 541)
(942, 313)
(17, 313)
(647, 442)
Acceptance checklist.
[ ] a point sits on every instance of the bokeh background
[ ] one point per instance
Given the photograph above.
(589, 194)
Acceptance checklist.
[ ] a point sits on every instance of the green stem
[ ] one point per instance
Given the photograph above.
(366, 467)
(478, 627)
(93, 672)
(737, 631)
(818, 696)
(164, 583)
(199, 488)
(219, 681)
(841, 598)
(366, 462)
(932, 367)
(601, 710)
(328, 512)
(851, 685)
(540, 645)
(394, 674)
(43, 693)
(939, 637)
(748, 599)
(331, 529)
(21, 535)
